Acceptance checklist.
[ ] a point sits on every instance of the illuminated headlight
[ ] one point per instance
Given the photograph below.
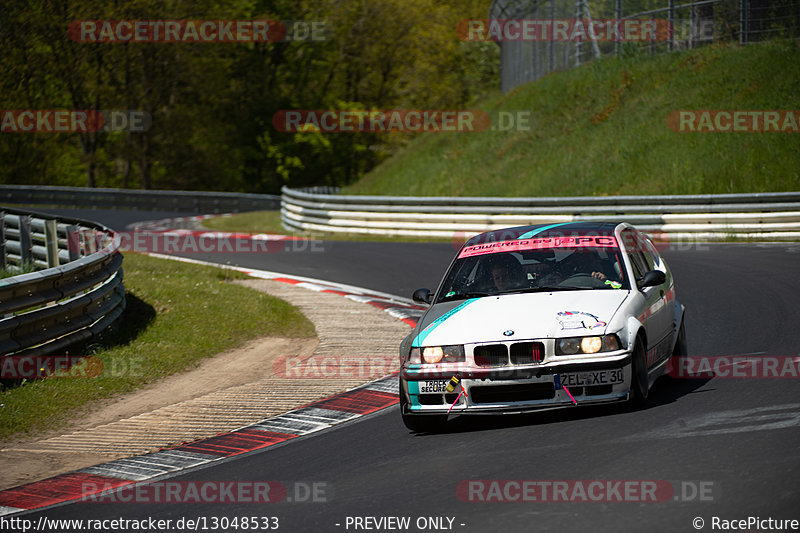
(442, 354)
(587, 345)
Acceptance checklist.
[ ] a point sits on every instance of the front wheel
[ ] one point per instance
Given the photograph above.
(420, 423)
(639, 378)
(681, 349)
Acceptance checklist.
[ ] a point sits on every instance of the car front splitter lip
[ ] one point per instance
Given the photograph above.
(521, 409)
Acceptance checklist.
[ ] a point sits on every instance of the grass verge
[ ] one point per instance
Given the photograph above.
(601, 129)
(270, 222)
(177, 314)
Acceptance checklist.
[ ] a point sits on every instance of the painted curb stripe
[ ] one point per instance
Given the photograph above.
(235, 443)
(54, 490)
(143, 467)
(325, 415)
(359, 401)
(288, 423)
(390, 384)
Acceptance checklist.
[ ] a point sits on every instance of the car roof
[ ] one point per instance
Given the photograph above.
(562, 229)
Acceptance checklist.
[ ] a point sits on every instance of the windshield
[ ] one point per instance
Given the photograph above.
(534, 265)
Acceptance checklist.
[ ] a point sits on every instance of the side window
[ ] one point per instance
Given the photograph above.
(639, 264)
(650, 253)
(633, 246)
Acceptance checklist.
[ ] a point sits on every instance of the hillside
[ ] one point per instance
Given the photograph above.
(601, 129)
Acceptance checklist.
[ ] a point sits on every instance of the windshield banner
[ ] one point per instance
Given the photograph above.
(599, 241)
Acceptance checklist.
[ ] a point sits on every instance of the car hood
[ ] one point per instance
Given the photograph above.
(519, 316)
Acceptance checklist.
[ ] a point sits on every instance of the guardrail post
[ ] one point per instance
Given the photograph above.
(89, 242)
(617, 19)
(671, 11)
(51, 242)
(3, 239)
(25, 241)
(73, 242)
(743, 22)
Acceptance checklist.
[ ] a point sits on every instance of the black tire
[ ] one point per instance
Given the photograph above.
(681, 348)
(679, 352)
(420, 423)
(639, 378)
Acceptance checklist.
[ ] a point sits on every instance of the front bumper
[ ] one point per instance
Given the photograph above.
(514, 389)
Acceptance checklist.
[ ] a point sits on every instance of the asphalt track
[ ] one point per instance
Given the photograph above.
(738, 439)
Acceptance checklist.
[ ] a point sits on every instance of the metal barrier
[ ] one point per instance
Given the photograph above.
(678, 26)
(773, 216)
(183, 201)
(74, 292)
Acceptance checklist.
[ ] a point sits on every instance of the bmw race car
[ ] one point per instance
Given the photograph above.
(541, 317)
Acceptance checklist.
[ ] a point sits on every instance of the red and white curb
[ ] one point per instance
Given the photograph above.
(183, 232)
(166, 224)
(316, 416)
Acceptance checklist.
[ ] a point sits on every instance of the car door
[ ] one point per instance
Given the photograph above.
(656, 314)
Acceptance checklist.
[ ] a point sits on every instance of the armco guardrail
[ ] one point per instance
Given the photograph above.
(182, 201)
(75, 294)
(715, 216)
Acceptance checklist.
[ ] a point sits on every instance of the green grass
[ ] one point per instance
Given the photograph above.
(270, 222)
(177, 314)
(26, 269)
(252, 222)
(601, 129)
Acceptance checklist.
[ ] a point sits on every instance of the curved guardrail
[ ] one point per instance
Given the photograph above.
(706, 216)
(205, 202)
(76, 293)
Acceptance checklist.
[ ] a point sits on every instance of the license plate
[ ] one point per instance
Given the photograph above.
(595, 377)
(434, 386)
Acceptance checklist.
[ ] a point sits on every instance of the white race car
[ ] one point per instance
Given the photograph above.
(540, 317)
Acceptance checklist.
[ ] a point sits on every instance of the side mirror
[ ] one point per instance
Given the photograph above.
(422, 296)
(651, 279)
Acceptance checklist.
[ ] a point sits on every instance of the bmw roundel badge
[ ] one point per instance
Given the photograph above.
(508, 332)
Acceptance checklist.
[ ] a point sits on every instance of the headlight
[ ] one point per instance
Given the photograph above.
(587, 345)
(591, 344)
(432, 354)
(442, 354)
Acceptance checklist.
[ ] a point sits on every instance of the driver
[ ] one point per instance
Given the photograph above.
(505, 273)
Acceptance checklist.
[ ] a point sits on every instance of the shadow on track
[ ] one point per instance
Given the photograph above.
(665, 390)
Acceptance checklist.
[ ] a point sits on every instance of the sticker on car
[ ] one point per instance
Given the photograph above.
(434, 386)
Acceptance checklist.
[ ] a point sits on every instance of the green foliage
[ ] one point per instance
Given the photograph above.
(212, 103)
